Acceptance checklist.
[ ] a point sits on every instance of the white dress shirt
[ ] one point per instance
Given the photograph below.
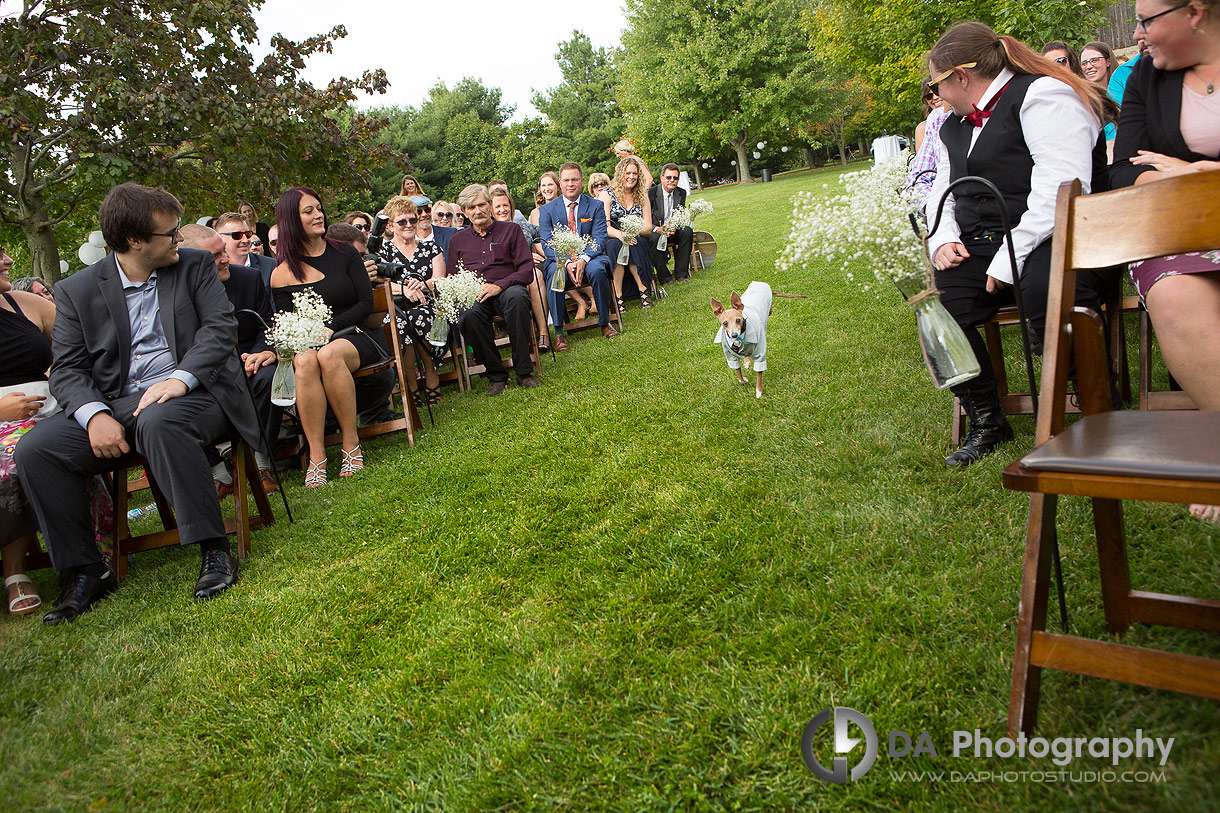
(1060, 132)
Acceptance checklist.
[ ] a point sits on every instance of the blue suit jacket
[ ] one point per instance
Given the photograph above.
(590, 221)
(441, 235)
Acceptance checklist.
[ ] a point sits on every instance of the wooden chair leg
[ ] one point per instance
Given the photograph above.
(122, 530)
(958, 422)
(242, 464)
(1031, 614)
(1112, 563)
(1145, 360)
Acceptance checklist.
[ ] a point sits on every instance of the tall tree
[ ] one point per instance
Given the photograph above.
(732, 71)
(164, 92)
(583, 117)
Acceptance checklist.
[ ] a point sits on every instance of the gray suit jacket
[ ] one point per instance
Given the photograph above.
(92, 336)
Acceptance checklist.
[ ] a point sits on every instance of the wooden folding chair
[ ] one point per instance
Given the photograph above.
(471, 366)
(1112, 456)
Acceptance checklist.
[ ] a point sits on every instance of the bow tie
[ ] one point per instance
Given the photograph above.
(976, 118)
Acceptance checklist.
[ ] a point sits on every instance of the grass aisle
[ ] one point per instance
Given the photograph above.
(629, 589)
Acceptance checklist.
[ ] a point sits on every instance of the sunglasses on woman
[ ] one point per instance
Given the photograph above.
(403, 222)
(361, 225)
(442, 216)
(600, 185)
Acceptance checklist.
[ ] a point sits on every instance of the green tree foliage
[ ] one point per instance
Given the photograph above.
(163, 92)
(726, 71)
(582, 114)
(884, 43)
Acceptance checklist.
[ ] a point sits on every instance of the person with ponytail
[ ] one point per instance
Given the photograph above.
(1027, 125)
(1170, 125)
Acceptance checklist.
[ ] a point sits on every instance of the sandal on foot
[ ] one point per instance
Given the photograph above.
(315, 474)
(353, 462)
(20, 579)
(645, 302)
(622, 306)
(432, 395)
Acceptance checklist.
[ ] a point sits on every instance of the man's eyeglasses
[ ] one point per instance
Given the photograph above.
(424, 210)
(1142, 22)
(361, 225)
(172, 234)
(934, 85)
(669, 177)
(236, 235)
(403, 222)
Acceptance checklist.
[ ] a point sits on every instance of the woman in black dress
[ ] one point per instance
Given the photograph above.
(25, 335)
(309, 261)
(419, 264)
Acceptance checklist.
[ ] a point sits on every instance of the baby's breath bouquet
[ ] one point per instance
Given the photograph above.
(455, 294)
(630, 226)
(870, 224)
(295, 331)
(681, 218)
(566, 243)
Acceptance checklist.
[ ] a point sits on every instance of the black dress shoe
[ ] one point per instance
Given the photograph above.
(80, 593)
(217, 573)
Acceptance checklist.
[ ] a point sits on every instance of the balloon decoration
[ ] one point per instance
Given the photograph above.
(93, 250)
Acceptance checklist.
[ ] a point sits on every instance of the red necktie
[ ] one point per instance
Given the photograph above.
(572, 217)
(976, 118)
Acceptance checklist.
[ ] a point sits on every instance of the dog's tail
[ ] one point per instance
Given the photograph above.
(791, 296)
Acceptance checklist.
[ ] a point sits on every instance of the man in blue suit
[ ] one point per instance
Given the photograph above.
(586, 216)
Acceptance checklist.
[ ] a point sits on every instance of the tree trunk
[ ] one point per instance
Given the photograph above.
(31, 217)
(807, 157)
(44, 252)
(863, 147)
(698, 176)
(741, 145)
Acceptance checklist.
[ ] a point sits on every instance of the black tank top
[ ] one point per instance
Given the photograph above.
(27, 353)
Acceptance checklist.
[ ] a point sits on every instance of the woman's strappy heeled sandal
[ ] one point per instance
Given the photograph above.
(315, 474)
(353, 462)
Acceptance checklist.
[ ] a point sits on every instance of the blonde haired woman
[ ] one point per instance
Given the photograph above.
(626, 195)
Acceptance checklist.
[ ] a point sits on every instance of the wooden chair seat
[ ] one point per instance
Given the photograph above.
(1163, 456)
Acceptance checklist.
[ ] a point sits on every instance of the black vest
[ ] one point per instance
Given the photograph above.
(1001, 156)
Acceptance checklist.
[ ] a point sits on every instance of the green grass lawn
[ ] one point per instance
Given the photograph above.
(629, 589)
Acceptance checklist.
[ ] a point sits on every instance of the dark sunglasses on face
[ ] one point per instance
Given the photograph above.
(424, 210)
(600, 185)
(271, 243)
(442, 215)
(237, 235)
(403, 222)
(1062, 60)
(361, 225)
(670, 178)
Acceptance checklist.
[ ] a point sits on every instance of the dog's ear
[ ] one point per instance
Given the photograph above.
(717, 308)
(735, 300)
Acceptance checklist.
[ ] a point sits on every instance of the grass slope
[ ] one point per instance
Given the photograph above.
(629, 589)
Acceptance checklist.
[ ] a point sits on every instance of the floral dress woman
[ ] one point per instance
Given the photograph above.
(414, 318)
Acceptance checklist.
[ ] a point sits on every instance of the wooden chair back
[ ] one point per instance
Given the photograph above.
(1171, 216)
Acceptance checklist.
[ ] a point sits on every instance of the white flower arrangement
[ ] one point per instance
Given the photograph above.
(699, 206)
(869, 222)
(302, 328)
(456, 293)
(567, 243)
(630, 226)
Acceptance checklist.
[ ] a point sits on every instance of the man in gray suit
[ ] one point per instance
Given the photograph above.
(144, 359)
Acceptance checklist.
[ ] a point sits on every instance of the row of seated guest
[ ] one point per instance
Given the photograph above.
(128, 380)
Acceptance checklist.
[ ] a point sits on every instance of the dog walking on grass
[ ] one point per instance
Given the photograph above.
(743, 331)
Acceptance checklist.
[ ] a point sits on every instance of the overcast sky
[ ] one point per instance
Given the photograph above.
(418, 43)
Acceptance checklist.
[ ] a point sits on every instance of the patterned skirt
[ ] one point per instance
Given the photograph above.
(1145, 274)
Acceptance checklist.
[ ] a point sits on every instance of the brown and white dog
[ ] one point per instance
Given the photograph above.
(743, 331)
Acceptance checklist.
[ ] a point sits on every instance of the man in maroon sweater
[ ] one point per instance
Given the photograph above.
(498, 253)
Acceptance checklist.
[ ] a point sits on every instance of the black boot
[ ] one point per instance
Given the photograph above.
(988, 427)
